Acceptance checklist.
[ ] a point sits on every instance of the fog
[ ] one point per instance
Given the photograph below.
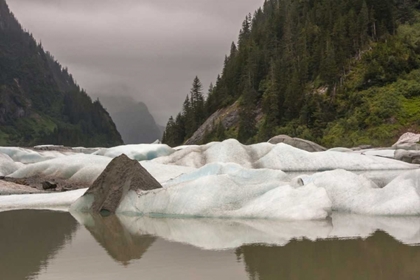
(149, 49)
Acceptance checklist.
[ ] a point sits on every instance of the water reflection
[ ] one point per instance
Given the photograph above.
(29, 239)
(378, 257)
(223, 234)
(343, 247)
(122, 245)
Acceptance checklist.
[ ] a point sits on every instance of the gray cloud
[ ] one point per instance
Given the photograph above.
(154, 48)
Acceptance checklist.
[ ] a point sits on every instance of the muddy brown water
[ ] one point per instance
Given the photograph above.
(55, 245)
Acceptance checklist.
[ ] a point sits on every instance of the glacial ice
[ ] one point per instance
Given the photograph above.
(28, 156)
(85, 168)
(280, 156)
(137, 152)
(7, 165)
(230, 191)
(356, 194)
(44, 201)
(231, 180)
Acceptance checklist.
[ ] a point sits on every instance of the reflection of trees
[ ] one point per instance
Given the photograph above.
(378, 257)
(120, 244)
(28, 239)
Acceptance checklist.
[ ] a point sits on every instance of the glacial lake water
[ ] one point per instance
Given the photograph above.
(56, 245)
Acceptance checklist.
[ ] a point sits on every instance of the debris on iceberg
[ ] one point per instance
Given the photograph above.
(137, 152)
(121, 176)
(281, 156)
(408, 141)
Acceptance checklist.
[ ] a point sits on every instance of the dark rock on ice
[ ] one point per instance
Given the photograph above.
(297, 143)
(119, 177)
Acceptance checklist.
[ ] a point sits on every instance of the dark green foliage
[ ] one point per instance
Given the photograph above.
(192, 116)
(39, 100)
(309, 64)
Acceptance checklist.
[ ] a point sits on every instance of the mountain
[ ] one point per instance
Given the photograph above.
(39, 100)
(133, 119)
(337, 72)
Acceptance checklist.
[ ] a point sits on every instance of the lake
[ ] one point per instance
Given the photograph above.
(56, 245)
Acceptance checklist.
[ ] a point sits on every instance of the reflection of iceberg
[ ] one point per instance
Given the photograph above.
(122, 245)
(223, 234)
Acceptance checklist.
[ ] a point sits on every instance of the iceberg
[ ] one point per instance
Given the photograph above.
(7, 165)
(80, 168)
(28, 156)
(85, 168)
(137, 152)
(230, 191)
(44, 201)
(281, 157)
(354, 193)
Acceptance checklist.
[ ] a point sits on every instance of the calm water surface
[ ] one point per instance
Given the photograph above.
(53, 245)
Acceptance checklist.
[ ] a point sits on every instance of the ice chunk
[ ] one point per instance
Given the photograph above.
(27, 156)
(356, 194)
(236, 172)
(280, 156)
(7, 165)
(50, 201)
(137, 152)
(84, 169)
(226, 196)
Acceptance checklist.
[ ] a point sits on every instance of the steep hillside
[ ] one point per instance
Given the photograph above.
(338, 72)
(133, 119)
(39, 100)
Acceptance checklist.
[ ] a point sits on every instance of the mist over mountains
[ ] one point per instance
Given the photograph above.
(132, 118)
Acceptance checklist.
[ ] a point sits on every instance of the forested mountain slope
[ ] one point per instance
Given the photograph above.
(338, 72)
(40, 103)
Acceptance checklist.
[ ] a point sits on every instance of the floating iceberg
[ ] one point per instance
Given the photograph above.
(7, 165)
(137, 152)
(228, 191)
(356, 194)
(85, 168)
(280, 156)
(44, 201)
(27, 156)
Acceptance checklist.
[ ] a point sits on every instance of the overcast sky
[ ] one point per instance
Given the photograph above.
(151, 49)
